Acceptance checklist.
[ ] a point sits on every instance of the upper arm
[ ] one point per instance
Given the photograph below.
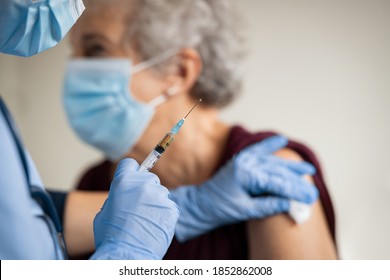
(278, 237)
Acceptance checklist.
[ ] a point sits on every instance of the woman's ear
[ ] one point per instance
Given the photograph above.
(189, 67)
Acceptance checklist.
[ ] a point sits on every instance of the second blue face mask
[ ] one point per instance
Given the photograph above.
(100, 107)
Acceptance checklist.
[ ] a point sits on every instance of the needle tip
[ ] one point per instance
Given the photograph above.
(200, 100)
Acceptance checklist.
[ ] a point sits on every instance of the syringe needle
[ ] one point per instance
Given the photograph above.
(200, 100)
(160, 148)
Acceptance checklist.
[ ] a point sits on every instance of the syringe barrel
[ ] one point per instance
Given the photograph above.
(150, 161)
(166, 141)
(157, 152)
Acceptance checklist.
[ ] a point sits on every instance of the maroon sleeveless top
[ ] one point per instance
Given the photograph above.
(227, 242)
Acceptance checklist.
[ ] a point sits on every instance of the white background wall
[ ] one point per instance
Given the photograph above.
(318, 71)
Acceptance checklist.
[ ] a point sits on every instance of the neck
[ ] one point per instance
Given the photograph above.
(195, 153)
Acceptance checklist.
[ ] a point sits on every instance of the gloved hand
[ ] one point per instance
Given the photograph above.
(138, 219)
(234, 193)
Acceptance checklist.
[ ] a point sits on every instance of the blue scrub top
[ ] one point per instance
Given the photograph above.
(26, 28)
(25, 233)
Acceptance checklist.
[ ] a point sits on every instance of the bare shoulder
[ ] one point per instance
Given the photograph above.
(289, 154)
(278, 237)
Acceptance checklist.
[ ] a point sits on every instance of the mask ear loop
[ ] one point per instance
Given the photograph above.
(171, 91)
(155, 60)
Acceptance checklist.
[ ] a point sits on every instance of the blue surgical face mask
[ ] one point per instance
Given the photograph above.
(100, 107)
(29, 27)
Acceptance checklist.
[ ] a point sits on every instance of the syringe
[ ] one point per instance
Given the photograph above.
(163, 145)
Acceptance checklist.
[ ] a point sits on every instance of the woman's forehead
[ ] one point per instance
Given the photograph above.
(110, 21)
(107, 14)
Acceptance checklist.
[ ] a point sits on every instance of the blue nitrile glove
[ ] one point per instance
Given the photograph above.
(138, 219)
(234, 193)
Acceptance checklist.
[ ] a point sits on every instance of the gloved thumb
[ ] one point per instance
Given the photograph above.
(127, 164)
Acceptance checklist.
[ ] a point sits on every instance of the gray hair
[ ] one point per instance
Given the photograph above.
(212, 27)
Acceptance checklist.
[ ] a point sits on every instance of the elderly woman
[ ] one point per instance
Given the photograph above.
(181, 51)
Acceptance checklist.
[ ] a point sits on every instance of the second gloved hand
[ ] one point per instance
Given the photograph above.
(254, 184)
(138, 219)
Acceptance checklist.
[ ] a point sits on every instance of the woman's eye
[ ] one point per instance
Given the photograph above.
(95, 50)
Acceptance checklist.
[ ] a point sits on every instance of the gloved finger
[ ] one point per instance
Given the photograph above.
(294, 188)
(267, 146)
(300, 167)
(267, 206)
(157, 193)
(284, 183)
(253, 155)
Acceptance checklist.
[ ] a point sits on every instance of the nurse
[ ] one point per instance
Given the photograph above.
(29, 224)
(137, 220)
